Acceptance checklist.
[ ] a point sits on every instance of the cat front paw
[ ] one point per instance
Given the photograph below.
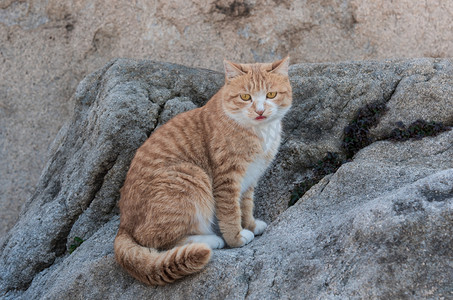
(240, 239)
(246, 236)
(260, 226)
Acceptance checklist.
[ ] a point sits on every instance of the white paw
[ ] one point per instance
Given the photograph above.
(212, 240)
(216, 242)
(246, 236)
(260, 226)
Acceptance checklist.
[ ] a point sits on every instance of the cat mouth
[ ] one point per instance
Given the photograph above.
(260, 118)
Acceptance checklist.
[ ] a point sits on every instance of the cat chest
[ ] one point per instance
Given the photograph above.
(254, 172)
(259, 165)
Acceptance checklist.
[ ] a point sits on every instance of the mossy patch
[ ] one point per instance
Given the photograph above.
(329, 164)
(355, 135)
(417, 130)
(300, 189)
(77, 242)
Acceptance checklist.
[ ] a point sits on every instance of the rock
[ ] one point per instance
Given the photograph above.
(432, 88)
(371, 230)
(175, 106)
(330, 97)
(47, 47)
(117, 107)
(379, 227)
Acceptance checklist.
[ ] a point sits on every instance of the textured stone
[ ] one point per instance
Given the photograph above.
(117, 107)
(379, 227)
(175, 106)
(328, 97)
(48, 46)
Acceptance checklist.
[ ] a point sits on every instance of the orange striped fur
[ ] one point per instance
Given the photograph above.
(202, 163)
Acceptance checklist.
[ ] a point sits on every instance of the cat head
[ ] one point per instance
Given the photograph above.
(256, 94)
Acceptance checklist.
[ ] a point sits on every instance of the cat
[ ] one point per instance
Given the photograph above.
(202, 164)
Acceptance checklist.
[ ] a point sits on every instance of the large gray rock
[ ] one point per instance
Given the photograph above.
(379, 227)
(328, 97)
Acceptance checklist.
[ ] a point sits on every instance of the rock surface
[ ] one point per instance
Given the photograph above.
(379, 227)
(48, 46)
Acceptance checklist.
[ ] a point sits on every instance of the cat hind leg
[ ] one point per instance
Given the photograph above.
(212, 240)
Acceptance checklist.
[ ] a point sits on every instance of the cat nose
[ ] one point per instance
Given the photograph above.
(260, 112)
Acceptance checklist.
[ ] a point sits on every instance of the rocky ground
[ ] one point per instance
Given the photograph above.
(379, 226)
(47, 47)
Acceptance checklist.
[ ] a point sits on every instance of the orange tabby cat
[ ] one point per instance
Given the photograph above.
(202, 163)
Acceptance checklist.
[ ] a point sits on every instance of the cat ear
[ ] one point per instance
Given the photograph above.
(232, 69)
(281, 66)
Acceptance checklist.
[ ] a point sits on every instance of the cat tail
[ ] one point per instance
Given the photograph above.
(159, 268)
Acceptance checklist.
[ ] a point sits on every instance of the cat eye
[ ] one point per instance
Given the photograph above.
(271, 95)
(245, 97)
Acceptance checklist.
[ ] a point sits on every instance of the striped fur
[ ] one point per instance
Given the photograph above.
(159, 268)
(193, 168)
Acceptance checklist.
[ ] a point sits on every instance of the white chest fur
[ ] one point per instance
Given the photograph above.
(270, 136)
